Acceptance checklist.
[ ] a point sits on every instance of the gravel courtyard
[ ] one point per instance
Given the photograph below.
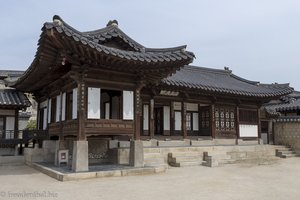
(280, 180)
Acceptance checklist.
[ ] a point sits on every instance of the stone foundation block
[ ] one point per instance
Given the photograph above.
(80, 160)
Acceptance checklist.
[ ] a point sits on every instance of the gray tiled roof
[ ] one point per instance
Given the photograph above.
(11, 73)
(142, 54)
(224, 82)
(289, 102)
(14, 98)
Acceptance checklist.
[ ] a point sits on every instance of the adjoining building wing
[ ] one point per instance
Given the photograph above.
(222, 82)
(13, 98)
(288, 105)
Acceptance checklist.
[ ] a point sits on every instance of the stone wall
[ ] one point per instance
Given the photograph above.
(287, 133)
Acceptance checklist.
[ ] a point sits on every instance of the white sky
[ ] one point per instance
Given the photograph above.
(257, 39)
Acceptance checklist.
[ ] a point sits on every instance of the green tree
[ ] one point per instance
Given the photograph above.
(31, 125)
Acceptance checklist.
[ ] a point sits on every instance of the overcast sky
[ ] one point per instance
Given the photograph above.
(257, 39)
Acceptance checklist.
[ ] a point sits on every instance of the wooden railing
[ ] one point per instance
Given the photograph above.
(22, 136)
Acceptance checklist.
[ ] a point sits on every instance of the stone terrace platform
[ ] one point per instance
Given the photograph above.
(95, 171)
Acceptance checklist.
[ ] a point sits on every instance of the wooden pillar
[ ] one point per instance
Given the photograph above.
(61, 135)
(81, 108)
(183, 119)
(258, 123)
(38, 115)
(213, 121)
(270, 132)
(48, 111)
(16, 125)
(151, 124)
(237, 121)
(137, 114)
(172, 119)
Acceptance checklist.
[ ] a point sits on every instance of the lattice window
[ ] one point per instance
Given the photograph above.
(224, 118)
(188, 121)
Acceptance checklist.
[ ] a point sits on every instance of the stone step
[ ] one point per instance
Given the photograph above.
(288, 155)
(153, 159)
(184, 158)
(186, 164)
(151, 150)
(220, 156)
(154, 163)
(287, 152)
(283, 148)
(227, 161)
(152, 155)
(183, 154)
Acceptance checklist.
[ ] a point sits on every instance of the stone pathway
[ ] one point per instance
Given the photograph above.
(279, 180)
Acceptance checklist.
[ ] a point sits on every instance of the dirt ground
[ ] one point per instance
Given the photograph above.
(280, 180)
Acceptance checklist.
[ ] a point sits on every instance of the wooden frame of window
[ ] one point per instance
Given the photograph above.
(248, 116)
(69, 105)
(53, 110)
(225, 121)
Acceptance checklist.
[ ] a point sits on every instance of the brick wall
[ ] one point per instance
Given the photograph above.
(287, 133)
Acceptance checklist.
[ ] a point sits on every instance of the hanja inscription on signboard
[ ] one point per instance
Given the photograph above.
(95, 155)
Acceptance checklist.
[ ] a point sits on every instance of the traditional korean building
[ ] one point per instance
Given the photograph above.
(102, 84)
(11, 103)
(283, 119)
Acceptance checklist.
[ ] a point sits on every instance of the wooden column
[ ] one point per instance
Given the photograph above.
(172, 119)
(61, 134)
(81, 108)
(137, 114)
(151, 123)
(16, 123)
(237, 121)
(183, 119)
(258, 123)
(213, 121)
(38, 115)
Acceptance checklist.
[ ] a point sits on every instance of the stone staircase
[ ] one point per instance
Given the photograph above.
(213, 156)
(285, 152)
(152, 157)
(184, 159)
(214, 159)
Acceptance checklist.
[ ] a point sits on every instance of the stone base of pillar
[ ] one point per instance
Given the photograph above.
(80, 158)
(49, 148)
(59, 145)
(136, 156)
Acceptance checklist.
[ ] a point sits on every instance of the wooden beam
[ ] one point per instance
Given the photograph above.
(137, 114)
(183, 119)
(237, 121)
(213, 120)
(151, 125)
(81, 108)
(258, 123)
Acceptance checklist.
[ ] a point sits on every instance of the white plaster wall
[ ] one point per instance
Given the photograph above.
(166, 118)
(195, 121)
(7, 112)
(178, 121)
(58, 107)
(248, 130)
(177, 105)
(63, 108)
(146, 117)
(94, 103)
(192, 107)
(49, 109)
(74, 104)
(128, 105)
(45, 119)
